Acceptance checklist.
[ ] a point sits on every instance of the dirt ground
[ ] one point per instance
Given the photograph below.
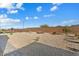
(19, 40)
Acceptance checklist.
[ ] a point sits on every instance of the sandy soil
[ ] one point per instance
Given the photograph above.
(19, 40)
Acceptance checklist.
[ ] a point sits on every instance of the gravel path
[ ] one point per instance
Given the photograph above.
(23, 44)
(38, 49)
(3, 42)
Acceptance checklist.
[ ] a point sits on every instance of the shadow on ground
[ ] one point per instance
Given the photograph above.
(3, 42)
(38, 49)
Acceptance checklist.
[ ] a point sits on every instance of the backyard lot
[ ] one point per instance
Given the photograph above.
(17, 41)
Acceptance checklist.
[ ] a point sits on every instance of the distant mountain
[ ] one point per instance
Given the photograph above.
(75, 25)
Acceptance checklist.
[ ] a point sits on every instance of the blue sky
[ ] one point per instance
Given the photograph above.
(35, 14)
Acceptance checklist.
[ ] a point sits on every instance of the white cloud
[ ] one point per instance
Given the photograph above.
(12, 11)
(68, 21)
(31, 17)
(8, 21)
(48, 15)
(3, 16)
(12, 7)
(39, 8)
(57, 4)
(54, 8)
(4, 20)
(5, 5)
(19, 5)
(35, 17)
(27, 18)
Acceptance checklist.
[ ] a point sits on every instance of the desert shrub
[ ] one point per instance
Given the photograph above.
(44, 26)
(40, 32)
(66, 30)
(1, 32)
(54, 33)
(76, 34)
(78, 37)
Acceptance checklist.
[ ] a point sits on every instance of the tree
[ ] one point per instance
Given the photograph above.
(44, 26)
(66, 30)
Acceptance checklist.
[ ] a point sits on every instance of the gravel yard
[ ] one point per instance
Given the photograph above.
(18, 41)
